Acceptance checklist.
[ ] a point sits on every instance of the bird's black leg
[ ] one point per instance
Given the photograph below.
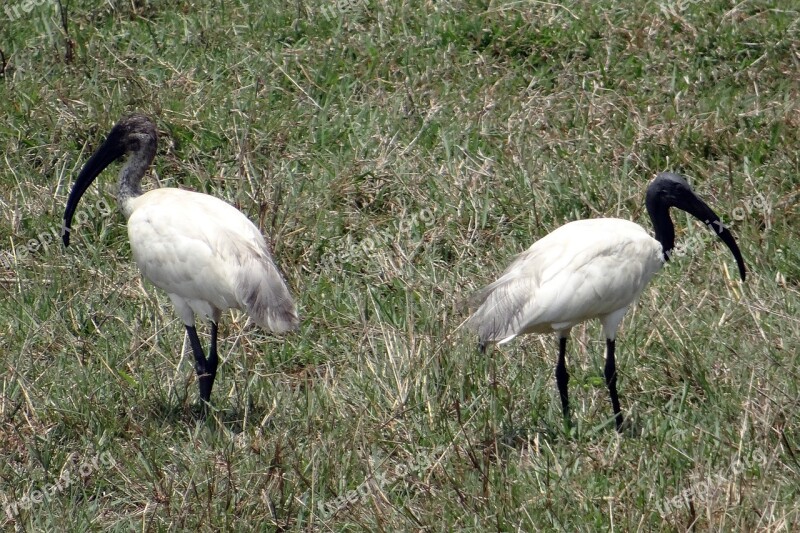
(562, 376)
(611, 381)
(206, 368)
(213, 360)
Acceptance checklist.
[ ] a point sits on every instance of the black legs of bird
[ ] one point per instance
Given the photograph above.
(610, 372)
(562, 376)
(206, 368)
(589, 269)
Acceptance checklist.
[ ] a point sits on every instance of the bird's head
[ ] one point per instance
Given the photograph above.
(134, 134)
(672, 190)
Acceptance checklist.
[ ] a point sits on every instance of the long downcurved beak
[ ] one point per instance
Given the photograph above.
(727, 237)
(692, 204)
(111, 150)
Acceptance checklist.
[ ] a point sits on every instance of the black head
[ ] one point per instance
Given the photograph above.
(133, 134)
(672, 190)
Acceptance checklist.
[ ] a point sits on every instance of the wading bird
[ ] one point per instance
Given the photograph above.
(587, 269)
(201, 250)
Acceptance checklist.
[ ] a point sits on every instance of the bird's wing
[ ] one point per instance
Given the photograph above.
(579, 271)
(202, 249)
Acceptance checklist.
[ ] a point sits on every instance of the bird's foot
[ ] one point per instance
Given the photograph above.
(628, 427)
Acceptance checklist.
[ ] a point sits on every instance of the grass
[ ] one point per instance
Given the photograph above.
(398, 155)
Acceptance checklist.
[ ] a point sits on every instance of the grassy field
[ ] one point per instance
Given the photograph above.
(398, 155)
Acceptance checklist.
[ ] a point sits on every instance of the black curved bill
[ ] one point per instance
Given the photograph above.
(713, 222)
(111, 150)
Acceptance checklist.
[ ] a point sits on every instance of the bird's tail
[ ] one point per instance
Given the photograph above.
(265, 296)
(496, 313)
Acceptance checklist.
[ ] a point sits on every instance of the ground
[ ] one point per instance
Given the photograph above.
(398, 155)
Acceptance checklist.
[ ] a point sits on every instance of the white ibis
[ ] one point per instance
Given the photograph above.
(587, 269)
(202, 251)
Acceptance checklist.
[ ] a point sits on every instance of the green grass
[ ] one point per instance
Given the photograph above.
(453, 135)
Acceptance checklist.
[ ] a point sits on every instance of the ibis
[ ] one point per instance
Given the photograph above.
(202, 251)
(593, 268)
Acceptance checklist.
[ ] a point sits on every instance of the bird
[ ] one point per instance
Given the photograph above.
(586, 269)
(203, 252)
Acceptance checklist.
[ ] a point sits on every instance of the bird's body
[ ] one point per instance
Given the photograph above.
(581, 270)
(588, 269)
(202, 251)
(208, 257)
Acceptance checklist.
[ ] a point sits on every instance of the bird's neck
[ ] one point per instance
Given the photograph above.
(130, 177)
(663, 227)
